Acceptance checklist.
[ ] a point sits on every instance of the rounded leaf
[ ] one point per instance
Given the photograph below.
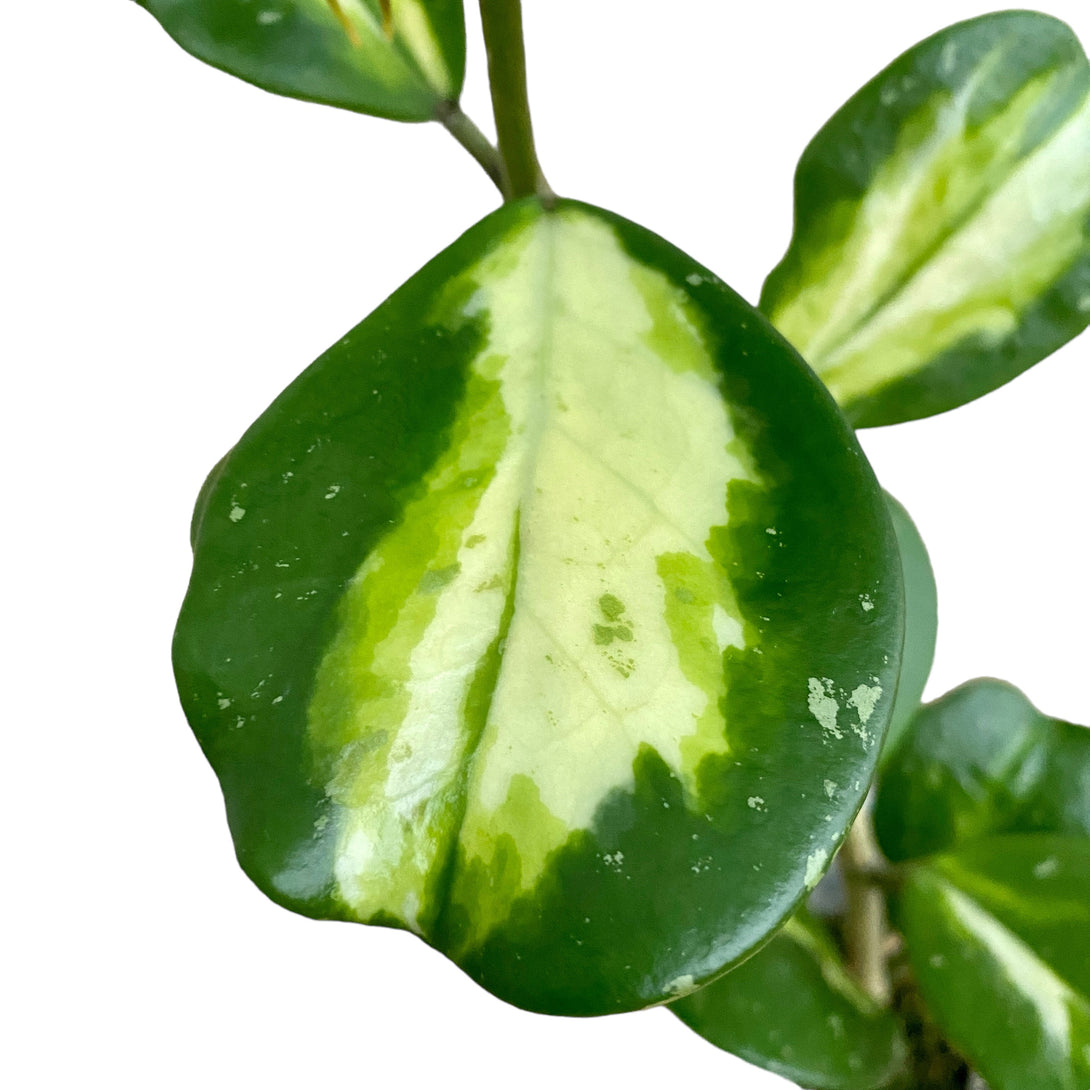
(529, 618)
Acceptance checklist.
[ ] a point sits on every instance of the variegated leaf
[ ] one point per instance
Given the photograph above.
(554, 614)
(400, 64)
(982, 760)
(942, 222)
(998, 934)
(793, 1009)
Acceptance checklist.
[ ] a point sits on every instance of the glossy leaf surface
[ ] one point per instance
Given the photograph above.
(340, 52)
(921, 624)
(793, 1009)
(529, 619)
(941, 239)
(998, 934)
(982, 760)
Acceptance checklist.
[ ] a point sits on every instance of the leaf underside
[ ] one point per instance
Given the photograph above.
(553, 614)
(921, 625)
(793, 1009)
(338, 52)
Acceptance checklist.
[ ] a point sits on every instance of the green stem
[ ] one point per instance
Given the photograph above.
(865, 928)
(501, 21)
(471, 138)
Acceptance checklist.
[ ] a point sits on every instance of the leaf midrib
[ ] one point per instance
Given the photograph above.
(448, 866)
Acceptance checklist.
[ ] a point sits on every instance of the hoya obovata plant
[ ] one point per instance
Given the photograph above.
(555, 614)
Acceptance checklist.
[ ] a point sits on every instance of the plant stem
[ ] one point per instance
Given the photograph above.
(501, 21)
(471, 138)
(865, 928)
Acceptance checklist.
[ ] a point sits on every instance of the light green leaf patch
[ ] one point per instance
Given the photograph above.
(996, 933)
(941, 239)
(921, 624)
(342, 52)
(561, 623)
(793, 1009)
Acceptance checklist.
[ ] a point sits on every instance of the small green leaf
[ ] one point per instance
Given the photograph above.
(921, 625)
(942, 222)
(529, 619)
(339, 52)
(982, 760)
(997, 936)
(793, 1009)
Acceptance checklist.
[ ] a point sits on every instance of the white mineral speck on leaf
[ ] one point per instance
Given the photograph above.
(830, 789)
(864, 699)
(815, 864)
(236, 513)
(823, 705)
(755, 802)
(267, 18)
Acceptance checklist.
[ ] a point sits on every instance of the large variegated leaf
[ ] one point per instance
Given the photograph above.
(982, 760)
(998, 934)
(793, 1009)
(400, 64)
(921, 624)
(553, 614)
(941, 239)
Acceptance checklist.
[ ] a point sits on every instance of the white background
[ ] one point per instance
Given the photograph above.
(176, 246)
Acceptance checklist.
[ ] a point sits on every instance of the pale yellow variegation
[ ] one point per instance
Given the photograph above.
(537, 616)
(963, 227)
(372, 46)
